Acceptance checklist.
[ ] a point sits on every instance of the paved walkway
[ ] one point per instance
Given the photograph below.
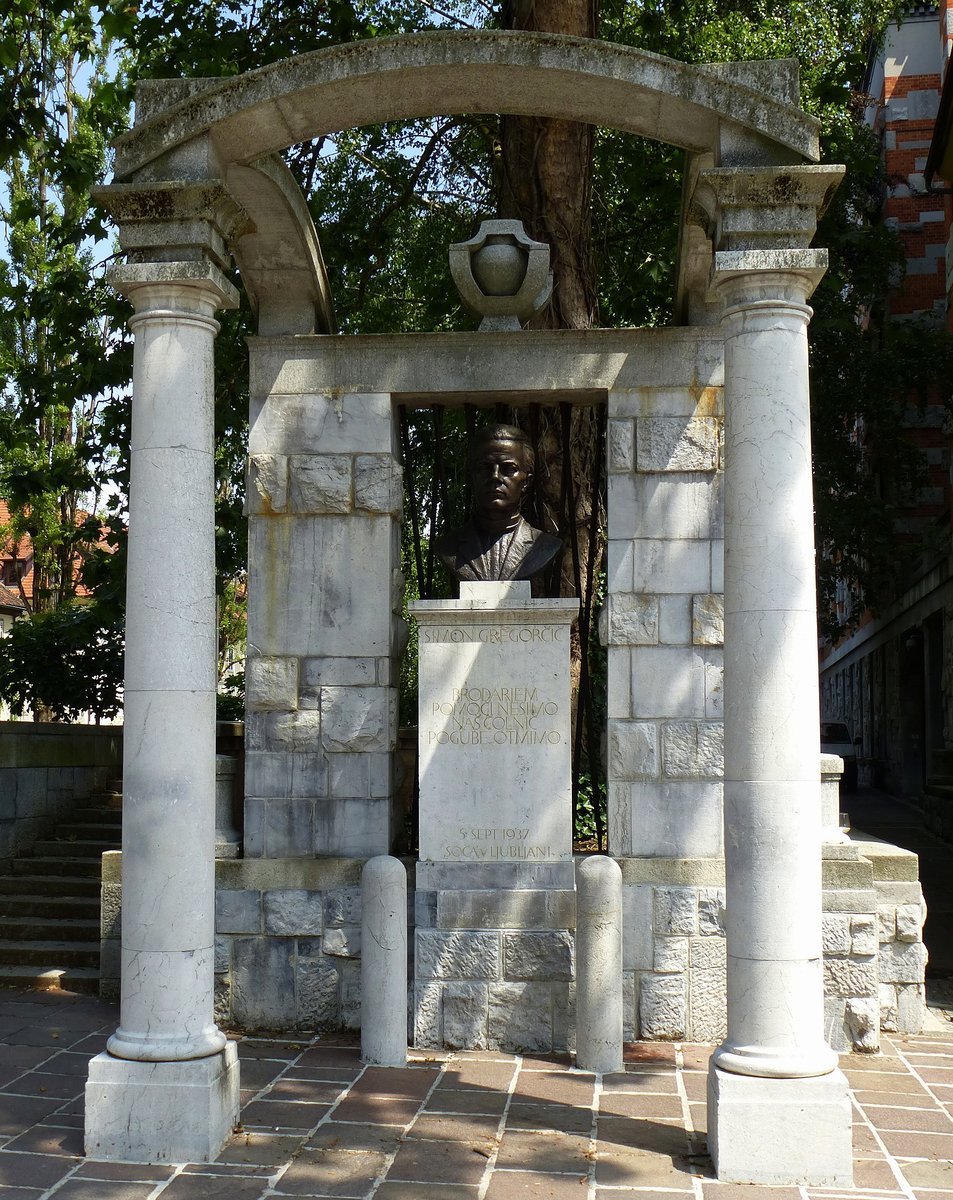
(468, 1126)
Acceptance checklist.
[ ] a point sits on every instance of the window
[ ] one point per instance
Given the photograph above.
(12, 570)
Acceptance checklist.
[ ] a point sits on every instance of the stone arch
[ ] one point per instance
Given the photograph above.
(233, 129)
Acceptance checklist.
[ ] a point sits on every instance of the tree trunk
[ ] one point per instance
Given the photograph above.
(546, 182)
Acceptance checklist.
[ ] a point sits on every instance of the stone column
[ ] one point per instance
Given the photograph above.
(167, 1087)
(778, 1108)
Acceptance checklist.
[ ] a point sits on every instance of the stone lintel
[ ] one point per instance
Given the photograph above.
(677, 872)
(782, 1132)
(545, 908)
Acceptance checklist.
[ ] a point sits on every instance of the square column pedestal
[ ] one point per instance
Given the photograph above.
(780, 1131)
(495, 903)
(155, 1112)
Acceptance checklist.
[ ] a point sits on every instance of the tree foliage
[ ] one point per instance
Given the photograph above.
(387, 200)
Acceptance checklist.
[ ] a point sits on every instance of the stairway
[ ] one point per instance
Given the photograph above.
(49, 903)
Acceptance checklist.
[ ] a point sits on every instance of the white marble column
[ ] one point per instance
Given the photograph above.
(778, 1110)
(167, 1087)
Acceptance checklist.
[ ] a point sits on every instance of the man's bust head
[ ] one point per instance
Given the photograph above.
(501, 462)
(497, 543)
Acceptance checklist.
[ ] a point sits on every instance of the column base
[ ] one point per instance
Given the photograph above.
(158, 1112)
(780, 1131)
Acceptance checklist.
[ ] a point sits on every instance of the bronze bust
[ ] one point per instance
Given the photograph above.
(497, 542)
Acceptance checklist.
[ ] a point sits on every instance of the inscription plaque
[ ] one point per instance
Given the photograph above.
(494, 726)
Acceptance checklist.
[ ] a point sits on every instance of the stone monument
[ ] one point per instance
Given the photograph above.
(492, 967)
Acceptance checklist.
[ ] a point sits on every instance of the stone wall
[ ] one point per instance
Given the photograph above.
(324, 501)
(44, 768)
(663, 622)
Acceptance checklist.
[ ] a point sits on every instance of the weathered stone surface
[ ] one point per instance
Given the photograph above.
(708, 1006)
(267, 489)
(638, 941)
(902, 962)
(693, 750)
(543, 956)
(465, 1011)
(263, 983)
(317, 673)
(621, 445)
(629, 620)
(377, 484)
(292, 912)
(320, 483)
(909, 922)
(675, 911)
(674, 444)
(668, 681)
(520, 1017)
(357, 719)
(342, 906)
(349, 992)
(271, 684)
(671, 955)
(428, 1005)
(911, 1008)
(863, 935)
(238, 911)
(862, 1018)
(708, 620)
(506, 908)
(662, 1008)
(342, 943)
(628, 1006)
(887, 922)
(850, 977)
(707, 953)
(110, 912)
(297, 732)
(675, 620)
(457, 955)
(835, 933)
(633, 750)
(711, 912)
(889, 1008)
(318, 1000)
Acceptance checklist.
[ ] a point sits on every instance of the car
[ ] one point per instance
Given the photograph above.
(836, 739)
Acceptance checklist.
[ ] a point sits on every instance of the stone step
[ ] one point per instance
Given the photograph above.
(65, 928)
(100, 831)
(64, 906)
(51, 955)
(51, 865)
(80, 847)
(38, 979)
(109, 817)
(48, 885)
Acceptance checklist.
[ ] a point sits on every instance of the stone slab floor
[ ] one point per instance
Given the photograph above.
(469, 1126)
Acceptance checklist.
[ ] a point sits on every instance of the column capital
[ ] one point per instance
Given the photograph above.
(762, 208)
(749, 279)
(183, 221)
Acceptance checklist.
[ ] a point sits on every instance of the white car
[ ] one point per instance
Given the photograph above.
(836, 739)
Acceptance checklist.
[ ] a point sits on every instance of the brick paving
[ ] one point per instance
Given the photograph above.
(465, 1126)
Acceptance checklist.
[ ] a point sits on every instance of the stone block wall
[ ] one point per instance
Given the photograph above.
(44, 768)
(493, 946)
(663, 622)
(324, 502)
(674, 949)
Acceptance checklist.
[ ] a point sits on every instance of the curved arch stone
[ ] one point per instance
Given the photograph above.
(532, 74)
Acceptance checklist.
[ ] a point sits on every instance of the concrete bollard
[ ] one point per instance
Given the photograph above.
(384, 962)
(599, 965)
